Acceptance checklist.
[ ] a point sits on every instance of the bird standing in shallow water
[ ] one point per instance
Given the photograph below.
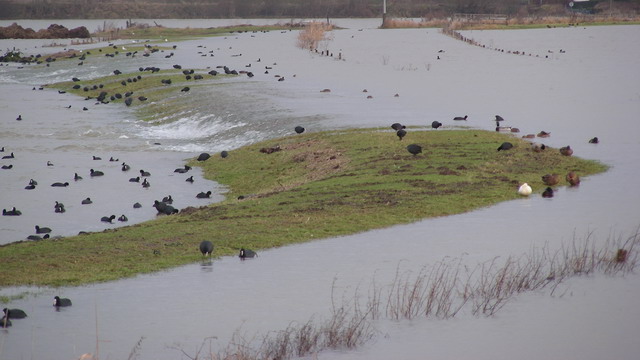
(547, 193)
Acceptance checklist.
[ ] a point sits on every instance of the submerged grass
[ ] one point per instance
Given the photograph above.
(318, 185)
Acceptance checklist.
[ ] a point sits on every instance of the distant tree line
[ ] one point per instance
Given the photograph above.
(158, 9)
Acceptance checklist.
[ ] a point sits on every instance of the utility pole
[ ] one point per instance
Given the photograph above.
(384, 11)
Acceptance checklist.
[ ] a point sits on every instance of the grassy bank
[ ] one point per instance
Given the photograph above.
(317, 185)
(176, 34)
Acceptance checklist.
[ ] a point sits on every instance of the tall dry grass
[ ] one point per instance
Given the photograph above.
(441, 291)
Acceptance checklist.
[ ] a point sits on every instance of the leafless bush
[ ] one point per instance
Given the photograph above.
(313, 35)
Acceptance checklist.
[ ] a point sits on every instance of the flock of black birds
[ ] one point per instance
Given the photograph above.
(9, 314)
(162, 207)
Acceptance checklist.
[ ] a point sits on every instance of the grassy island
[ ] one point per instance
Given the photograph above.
(301, 188)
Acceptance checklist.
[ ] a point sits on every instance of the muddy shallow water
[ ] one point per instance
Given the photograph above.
(590, 89)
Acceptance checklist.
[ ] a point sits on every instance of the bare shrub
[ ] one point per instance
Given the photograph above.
(314, 35)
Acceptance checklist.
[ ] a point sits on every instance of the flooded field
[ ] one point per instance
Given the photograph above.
(590, 88)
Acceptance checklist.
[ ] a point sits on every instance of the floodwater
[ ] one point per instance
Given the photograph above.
(591, 88)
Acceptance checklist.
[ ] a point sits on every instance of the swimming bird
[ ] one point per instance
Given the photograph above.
(33, 182)
(12, 212)
(77, 177)
(183, 170)
(572, 178)
(594, 140)
(524, 189)
(414, 149)
(7, 167)
(30, 187)
(566, 150)
(61, 302)
(108, 219)
(145, 183)
(59, 184)
(190, 179)
(59, 207)
(19, 117)
(42, 230)
(397, 126)
(167, 200)
(135, 179)
(299, 129)
(14, 313)
(11, 156)
(543, 134)
(247, 254)
(460, 118)
(551, 179)
(123, 218)
(206, 248)
(96, 172)
(203, 195)
(96, 157)
(86, 201)
(144, 173)
(137, 205)
(547, 193)
(125, 167)
(505, 146)
(401, 133)
(436, 124)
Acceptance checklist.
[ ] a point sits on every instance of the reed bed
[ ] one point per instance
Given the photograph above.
(440, 291)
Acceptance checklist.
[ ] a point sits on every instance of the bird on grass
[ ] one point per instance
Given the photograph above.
(397, 126)
(551, 179)
(206, 248)
(414, 149)
(401, 133)
(524, 189)
(566, 150)
(505, 146)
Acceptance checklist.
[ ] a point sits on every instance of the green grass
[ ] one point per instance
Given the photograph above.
(319, 185)
(165, 98)
(178, 34)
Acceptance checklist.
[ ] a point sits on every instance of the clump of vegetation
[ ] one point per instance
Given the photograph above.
(319, 185)
(438, 291)
(314, 35)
